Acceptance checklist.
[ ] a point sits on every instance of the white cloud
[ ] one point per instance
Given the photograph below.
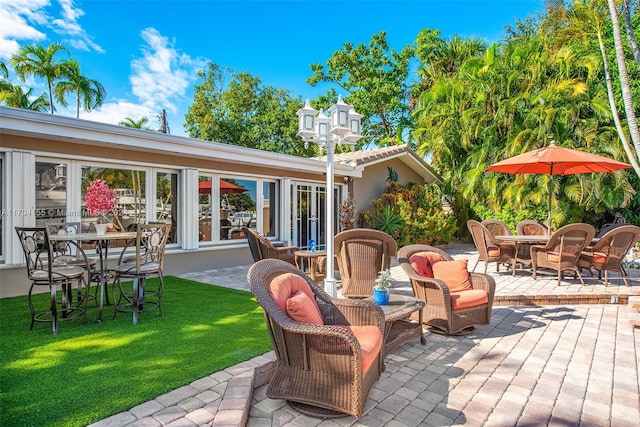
(115, 112)
(18, 18)
(23, 22)
(68, 26)
(160, 78)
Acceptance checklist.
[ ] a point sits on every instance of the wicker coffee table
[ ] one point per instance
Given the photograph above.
(399, 328)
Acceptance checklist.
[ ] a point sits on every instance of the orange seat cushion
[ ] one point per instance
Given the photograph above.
(599, 258)
(470, 298)
(303, 309)
(493, 252)
(422, 262)
(370, 340)
(555, 257)
(454, 274)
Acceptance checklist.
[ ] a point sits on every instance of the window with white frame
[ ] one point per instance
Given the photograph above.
(2, 207)
(235, 202)
(51, 192)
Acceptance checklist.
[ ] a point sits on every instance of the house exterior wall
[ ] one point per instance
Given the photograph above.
(374, 178)
(27, 138)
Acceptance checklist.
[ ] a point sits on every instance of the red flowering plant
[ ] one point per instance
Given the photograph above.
(100, 198)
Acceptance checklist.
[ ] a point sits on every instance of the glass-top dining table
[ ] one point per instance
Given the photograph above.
(102, 274)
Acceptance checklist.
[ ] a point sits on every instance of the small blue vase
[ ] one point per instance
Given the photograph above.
(380, 297)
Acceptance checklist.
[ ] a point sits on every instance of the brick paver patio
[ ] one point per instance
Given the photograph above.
(566, 361)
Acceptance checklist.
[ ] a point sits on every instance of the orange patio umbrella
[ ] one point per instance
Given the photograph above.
(554, 160)
(226, 187)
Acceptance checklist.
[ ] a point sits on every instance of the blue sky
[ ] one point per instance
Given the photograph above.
(146, 53)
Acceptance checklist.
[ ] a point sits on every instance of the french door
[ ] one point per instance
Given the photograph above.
(308, 211)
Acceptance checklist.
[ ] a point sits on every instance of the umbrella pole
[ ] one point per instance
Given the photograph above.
(550, 196)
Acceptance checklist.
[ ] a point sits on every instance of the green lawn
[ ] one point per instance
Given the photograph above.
(91, 371)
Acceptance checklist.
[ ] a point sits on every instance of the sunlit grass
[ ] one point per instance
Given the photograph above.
(88, 372)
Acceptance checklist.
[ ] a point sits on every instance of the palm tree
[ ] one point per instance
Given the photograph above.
(39, 61)
(4, 72)
(623, 75)
(17, 98)
(136, 124)
(89, 93)
(582, 21)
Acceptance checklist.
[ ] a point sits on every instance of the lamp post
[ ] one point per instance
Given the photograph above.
(342, 127)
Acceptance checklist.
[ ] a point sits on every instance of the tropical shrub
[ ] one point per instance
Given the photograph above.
(411, 213)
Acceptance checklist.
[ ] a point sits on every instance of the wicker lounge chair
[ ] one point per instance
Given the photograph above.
(489, 250)
(328, 350)
(607, 254)
(362, 253)
(447, 310)
(262, 248)
(562, 251)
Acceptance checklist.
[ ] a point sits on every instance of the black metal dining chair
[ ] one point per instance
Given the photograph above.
(150, 244)
(45, 269)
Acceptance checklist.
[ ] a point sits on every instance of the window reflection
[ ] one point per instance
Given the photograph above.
(51, 192)
(129, 185)
(238, 196)
(166, 202)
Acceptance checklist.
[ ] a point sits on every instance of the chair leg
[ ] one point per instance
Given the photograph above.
(137, 288)
(160, 291)
(580, 276)
(31, 308)
(475, 265)
(624, 276)
(54, 311)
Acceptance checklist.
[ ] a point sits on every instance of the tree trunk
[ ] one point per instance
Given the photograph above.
(632, 120)
(614, 110)
(629, 28)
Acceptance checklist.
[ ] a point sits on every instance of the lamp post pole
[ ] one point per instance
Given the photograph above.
(343, 127)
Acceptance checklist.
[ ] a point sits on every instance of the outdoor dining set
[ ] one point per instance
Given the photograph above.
(56, 257)
(574, 247)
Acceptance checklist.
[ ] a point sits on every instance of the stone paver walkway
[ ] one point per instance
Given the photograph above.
(562, 365)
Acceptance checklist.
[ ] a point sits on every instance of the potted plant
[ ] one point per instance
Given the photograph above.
(100, 201)
(381, 288)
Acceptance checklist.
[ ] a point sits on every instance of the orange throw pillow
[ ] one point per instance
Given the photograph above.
(454, 274)
(422, 262)
(302, 309)
(285, 285)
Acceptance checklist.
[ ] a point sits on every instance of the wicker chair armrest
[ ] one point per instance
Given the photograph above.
(433, 285)
(537, 248)
(430, 281)
(339, 336)
(286, 248)
(484, 282)
(357, 312)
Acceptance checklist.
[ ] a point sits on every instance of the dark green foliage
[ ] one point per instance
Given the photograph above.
(245, 112)
(411, 213)
(89, 372)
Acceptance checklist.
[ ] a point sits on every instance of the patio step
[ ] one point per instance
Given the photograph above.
(560, 299)
(234, 407)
